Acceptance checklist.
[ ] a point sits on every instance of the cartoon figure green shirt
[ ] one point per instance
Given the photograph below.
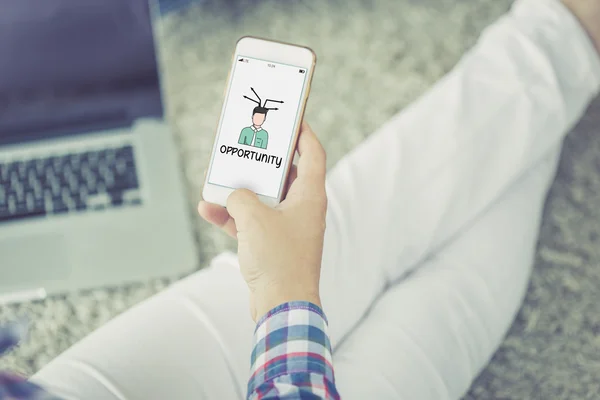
(252, 136)
(255, 135)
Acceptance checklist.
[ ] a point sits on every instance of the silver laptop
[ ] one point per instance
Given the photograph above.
(91, 191)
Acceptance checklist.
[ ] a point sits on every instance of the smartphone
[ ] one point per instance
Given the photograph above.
(258, 129)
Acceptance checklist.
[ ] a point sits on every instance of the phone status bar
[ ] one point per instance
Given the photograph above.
(268, 64)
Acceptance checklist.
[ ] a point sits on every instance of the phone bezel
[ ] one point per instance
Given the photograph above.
(277, 52)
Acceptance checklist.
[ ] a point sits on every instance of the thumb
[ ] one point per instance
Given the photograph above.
(244, 207)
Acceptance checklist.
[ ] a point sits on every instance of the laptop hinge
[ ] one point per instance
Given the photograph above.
(51, 118)
(36, 130)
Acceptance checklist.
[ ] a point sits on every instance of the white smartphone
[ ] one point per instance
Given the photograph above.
(258, 129)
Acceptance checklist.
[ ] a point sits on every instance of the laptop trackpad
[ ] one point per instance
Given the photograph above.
(33, 260)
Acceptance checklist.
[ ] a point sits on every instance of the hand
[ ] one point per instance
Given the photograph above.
(588, 13)
(280, 248)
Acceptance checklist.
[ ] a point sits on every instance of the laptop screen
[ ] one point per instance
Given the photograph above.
(71, 66)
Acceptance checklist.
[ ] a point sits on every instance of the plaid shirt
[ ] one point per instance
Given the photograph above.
(291, 358)
(292, 355)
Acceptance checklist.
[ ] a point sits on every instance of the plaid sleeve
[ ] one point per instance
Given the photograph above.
(12, 386)
(292, 355)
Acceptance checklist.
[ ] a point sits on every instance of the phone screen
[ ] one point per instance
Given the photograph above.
(257, 126)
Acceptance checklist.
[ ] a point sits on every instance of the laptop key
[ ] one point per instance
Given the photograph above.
(21, 208)
(126, 152)
(3, 173)
(117, 199)
(11, 203)
(39, 205)
(91, 186)
(75, 161)
(20, 193)
(30, 171)
(59, 206)
(29, 201)
(98, 201)
(38, 166)
(78, 201)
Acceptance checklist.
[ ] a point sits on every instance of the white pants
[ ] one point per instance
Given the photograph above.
(431, 232)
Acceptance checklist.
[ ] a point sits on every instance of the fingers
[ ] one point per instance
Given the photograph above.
(218, 216)
(293, 174)
(312, 163)
(310, 181)
(244, 207)
(290, 180)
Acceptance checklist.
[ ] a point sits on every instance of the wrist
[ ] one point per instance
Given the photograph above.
(265, 301)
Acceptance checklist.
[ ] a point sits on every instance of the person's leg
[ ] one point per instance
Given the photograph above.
(192, 341)
(443, 160)
(429, 336)
(402, 193)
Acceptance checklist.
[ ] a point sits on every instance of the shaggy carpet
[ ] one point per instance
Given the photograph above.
(375, 56)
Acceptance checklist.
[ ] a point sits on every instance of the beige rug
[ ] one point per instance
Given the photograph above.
(374, 58)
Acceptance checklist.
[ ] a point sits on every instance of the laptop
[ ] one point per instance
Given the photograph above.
(91, 191)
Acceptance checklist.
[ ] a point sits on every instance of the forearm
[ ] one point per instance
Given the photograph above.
(292, 355)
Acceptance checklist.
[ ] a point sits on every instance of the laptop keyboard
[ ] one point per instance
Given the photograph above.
(70, 183)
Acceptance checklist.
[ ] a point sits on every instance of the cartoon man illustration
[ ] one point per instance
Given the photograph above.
(255, 135)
